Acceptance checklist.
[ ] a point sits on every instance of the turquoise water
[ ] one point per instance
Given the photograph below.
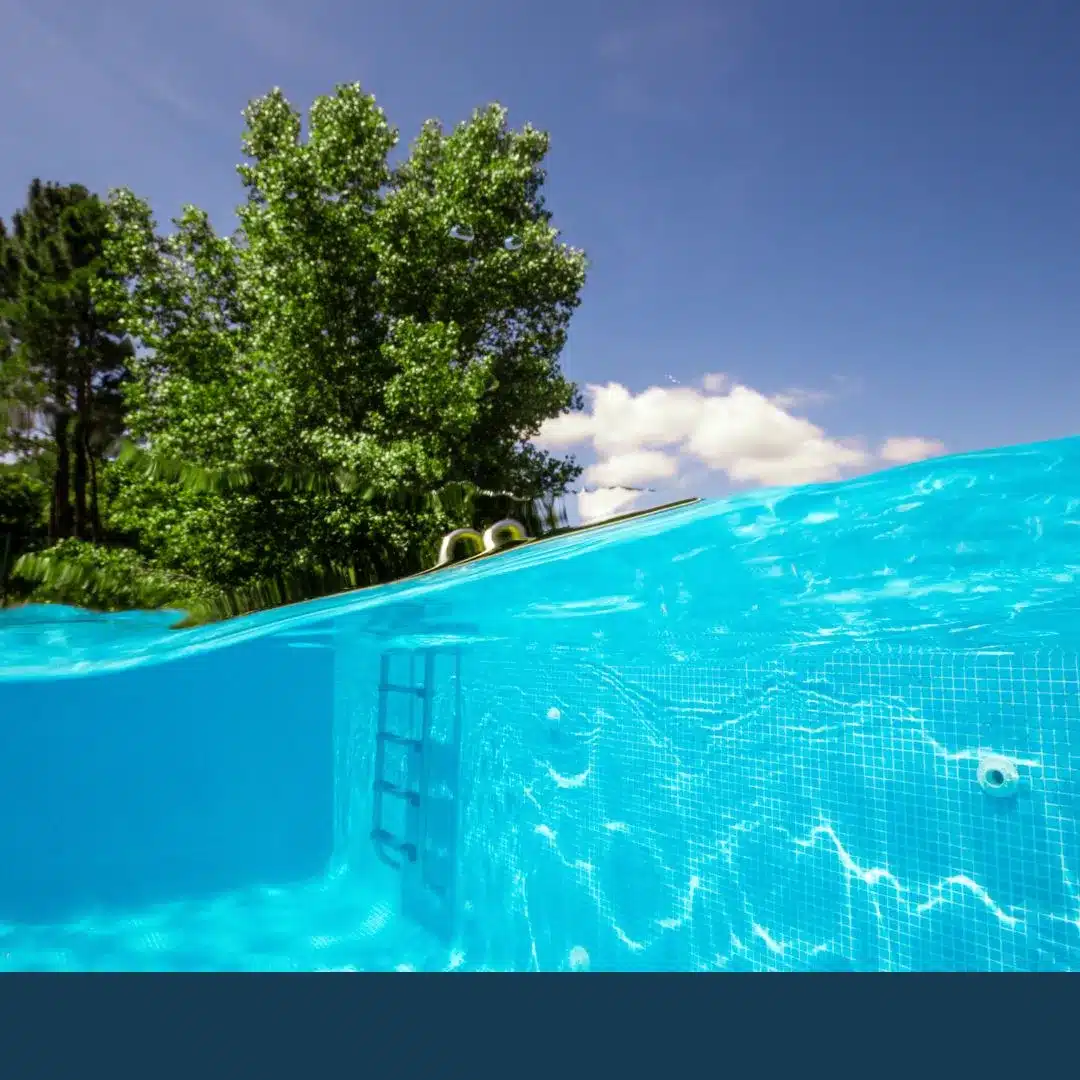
(742, 735)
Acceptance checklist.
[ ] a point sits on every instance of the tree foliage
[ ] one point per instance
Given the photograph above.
(62, 362)
(103, 578)
(363, 365)
(401, 325)
(24, 503)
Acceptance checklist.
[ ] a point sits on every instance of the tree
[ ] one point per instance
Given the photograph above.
(398, 327)
(23, 509)
(62, 362)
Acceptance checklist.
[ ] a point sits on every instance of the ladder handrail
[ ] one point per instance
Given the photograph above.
(428, 872)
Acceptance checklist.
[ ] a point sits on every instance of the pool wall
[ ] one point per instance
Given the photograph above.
(806, 811)
(166, 782)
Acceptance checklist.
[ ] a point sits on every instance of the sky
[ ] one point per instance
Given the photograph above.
(824, 236)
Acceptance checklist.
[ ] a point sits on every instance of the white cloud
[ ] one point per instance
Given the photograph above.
(796, 398)
(729, 428)
(569, 429)
(902, 449)
(741, 433)
(620, 422)
(634, 468)
(605, 502)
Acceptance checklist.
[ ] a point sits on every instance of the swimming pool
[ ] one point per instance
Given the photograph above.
(825, 728)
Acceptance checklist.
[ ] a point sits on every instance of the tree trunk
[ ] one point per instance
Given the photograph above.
(4, 569)
(95, 512)
(60, 518)
(82, 447)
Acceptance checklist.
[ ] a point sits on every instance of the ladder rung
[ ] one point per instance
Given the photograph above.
(381, 836)
(399, 740)
(387, 788)
(397, 688)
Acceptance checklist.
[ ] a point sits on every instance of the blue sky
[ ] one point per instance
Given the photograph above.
(813, 225)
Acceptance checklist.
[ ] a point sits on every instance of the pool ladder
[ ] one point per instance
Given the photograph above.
(426, 855)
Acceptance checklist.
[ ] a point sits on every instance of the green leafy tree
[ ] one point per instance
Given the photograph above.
(62, 363)
(383, 333)
(23, 514)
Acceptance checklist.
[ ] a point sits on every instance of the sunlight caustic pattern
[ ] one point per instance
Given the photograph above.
(748, 734)
(713, 752)
(783, 814)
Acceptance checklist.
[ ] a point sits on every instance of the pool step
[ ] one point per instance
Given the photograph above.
(426, 855)
(384, 787)
(386, 839)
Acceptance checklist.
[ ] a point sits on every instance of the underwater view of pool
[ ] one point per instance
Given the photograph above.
(825, 728)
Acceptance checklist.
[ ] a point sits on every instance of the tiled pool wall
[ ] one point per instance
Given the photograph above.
(808, 811)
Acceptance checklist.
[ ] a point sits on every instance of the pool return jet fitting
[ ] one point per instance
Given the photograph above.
(998, 776)
(463, 543)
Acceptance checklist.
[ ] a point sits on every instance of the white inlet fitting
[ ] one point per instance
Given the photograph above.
(579, 959)
(998, 776)
(503, 532)
(470, 539)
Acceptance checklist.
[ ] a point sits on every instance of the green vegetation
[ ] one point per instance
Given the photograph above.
(223, 423)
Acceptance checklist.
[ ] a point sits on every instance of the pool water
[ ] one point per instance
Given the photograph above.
(747, 734)
(330, 924)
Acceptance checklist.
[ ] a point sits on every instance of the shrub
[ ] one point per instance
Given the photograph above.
(102, 578)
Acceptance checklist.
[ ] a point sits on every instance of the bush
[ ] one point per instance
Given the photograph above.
(102, 578)
(24, 503)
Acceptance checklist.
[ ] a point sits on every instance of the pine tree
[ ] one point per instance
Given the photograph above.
(62, 362)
